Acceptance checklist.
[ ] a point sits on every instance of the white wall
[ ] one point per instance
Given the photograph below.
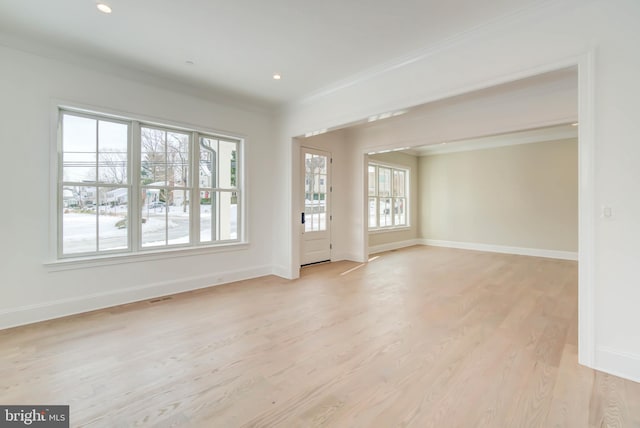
(559, 33)
(30, 290)
(523, 196)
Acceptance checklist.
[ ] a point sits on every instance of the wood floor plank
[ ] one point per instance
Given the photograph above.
(572, 392)
(418, 337)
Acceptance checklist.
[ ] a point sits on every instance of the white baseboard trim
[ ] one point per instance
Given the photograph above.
(394, 245)
(618, 363)
(535, 252)
(352, 257)
(282, 272)
(29, 314)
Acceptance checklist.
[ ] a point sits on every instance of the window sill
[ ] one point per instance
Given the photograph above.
(146, 256)
(389, 229)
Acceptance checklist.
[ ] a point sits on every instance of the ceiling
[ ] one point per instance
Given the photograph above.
(237, 46)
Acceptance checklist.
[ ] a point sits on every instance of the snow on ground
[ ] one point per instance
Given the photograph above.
(80, 228)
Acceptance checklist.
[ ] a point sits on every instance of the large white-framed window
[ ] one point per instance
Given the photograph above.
(128, 186)
(388, 196)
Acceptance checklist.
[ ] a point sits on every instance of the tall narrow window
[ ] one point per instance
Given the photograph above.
(387, 196)
(95, 185)
(218, 189)
(164, 184)
(128, 186)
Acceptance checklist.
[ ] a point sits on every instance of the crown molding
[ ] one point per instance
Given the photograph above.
(430, 50)
(56, 52)
(556, 133)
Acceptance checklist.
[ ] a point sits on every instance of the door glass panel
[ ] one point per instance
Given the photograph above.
(316, 192)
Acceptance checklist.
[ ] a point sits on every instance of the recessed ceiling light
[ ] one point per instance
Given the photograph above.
(104, 8)
(277, 76)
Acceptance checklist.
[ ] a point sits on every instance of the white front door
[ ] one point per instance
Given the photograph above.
(315, 216)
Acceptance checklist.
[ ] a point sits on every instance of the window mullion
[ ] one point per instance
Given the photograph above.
(97, 189)
(377, 197)
(134, 223)
(59, 186)
(194, 200)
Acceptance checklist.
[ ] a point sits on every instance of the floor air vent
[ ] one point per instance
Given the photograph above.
(160, 299)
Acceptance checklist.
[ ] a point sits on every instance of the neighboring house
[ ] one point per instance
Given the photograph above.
(117, 197)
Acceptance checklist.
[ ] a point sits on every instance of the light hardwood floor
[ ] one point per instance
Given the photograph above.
(421, 337)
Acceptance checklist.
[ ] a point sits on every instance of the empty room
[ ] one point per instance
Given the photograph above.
(228, 214)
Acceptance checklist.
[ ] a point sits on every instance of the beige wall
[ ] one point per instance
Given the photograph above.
(519, 196)
(411, 162)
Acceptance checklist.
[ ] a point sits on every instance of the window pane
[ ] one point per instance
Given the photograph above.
(78, 167)
(78, 148)
(372, 212)
(385, 212)
(153, 156)
(154, 218)
(177, 159)
(398, 183)
(208, 160)
(228, 215)
(227, 164)
(372, 180)
(400, 218)
(79, 219)
(178, 217)
(113, 141)
(384, 181)
(207, 215)
(112, 219)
